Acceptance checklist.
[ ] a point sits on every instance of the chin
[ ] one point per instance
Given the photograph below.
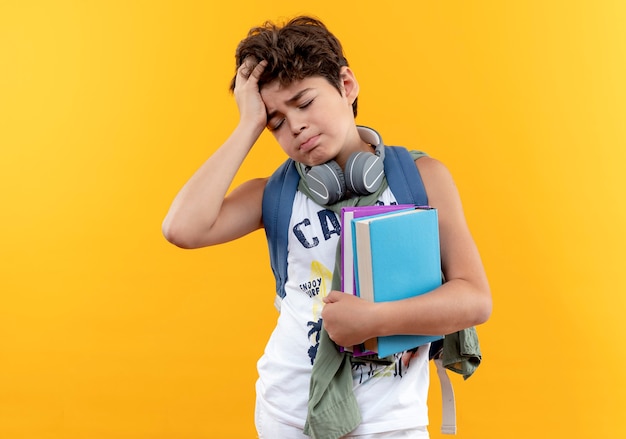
(312, 163)
(316, 159)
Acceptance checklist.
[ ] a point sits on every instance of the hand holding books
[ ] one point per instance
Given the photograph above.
(395, 255)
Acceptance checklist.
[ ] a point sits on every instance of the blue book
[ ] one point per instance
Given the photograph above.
(347, 256)
(397, 256)
(347, 253)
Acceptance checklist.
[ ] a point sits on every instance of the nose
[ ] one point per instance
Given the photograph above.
(297, 126)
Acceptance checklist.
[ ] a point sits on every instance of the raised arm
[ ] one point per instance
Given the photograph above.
(201, 213)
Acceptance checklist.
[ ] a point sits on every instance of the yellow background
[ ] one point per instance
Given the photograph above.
(107, 107)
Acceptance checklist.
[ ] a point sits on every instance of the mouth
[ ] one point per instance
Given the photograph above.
(309, 144)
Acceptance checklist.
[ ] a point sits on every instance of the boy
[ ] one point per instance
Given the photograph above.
(295, 81)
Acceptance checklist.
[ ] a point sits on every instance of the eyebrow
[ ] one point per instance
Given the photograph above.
(291, 100)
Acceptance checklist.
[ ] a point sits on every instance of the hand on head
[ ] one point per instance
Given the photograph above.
(247, 94)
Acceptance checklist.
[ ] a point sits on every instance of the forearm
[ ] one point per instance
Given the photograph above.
(456, 305)
(197, 205)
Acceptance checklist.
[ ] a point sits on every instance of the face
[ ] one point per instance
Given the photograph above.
(311, 120)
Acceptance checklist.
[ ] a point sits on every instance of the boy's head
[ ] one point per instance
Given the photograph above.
(301, 48)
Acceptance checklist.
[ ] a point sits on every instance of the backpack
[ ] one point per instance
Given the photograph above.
(407, 186)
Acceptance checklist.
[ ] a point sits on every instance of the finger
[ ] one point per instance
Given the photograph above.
(408, 356)
(333, 296)
(250, 66)
(258, 70)
(244, 71)
(246, 67)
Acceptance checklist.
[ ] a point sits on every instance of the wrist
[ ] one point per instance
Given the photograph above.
(382, 319)
(249, 129)
(254, 124)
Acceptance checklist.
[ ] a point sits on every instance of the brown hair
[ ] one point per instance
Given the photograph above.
(301, 48)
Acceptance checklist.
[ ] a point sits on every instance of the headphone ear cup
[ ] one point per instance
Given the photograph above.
(364, 173)
(326, 183)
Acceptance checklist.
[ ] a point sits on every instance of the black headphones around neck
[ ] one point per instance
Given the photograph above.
(363, 174)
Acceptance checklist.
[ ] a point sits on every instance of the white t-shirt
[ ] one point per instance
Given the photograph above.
(390, 397)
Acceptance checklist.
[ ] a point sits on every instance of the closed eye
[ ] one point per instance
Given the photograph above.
(306, 104)
(274, 125)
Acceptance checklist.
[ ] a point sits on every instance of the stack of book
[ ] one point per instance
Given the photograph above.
(390, 253)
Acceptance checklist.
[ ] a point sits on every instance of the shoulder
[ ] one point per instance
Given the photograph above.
(434, 173)
(439, 184)
(431, 166)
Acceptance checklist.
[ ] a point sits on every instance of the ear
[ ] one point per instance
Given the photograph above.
(349, 83)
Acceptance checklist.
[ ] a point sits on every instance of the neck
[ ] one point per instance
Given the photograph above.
(361, 145)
